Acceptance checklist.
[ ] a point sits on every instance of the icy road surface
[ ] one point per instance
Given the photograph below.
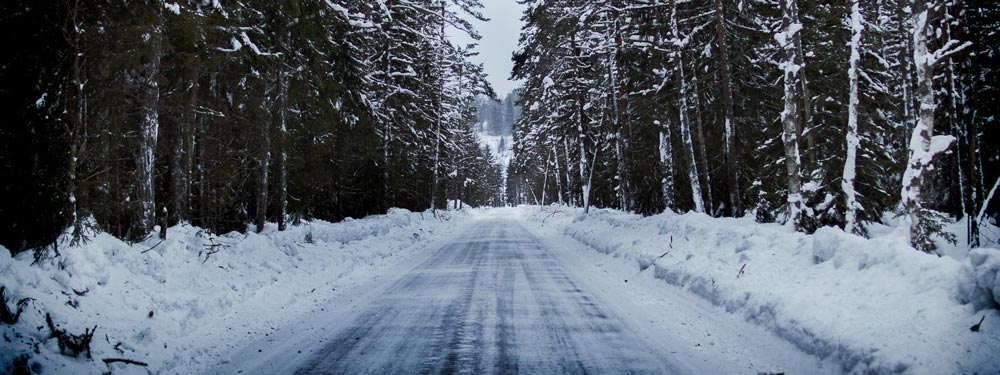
(492, 301)
(498, 299)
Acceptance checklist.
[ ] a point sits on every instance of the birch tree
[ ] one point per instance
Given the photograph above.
(924, 145)
(851, 224)
(791, 116)
(678, 44)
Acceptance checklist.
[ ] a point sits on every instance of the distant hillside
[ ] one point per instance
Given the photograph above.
(497, 118)
(496, 121)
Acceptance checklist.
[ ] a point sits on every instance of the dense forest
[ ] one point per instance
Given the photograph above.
(120, 116)
(497, 117)
(812, 113)
(496, 122)
(124, 116)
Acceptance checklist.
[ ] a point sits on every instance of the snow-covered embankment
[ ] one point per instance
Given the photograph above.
(871, 305)
(179, 305)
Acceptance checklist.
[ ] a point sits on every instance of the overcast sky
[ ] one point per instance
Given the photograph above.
(499, 41)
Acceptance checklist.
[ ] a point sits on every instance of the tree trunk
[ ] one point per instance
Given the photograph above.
(387, 190)
(569, 173)
(281, 162)
(791, 117)
(923, 144)
(181, 155)
(545, 177)
(975, 190)
(620, 110)
(190, 141)
(581, 139)
(964, 129)
(805, 129)
(666, 168)
(702, 148)
(76, 128)
(732, 156)
(906, 77)
(148, 128)
(557, 174)
(263, 161)
(440, 114)
(696, 197)
(851, 224)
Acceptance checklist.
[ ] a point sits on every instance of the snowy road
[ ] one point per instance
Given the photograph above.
(492, 301)
(500, 299)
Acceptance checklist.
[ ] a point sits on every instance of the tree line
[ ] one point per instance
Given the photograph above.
(813, 113)
(119, 116)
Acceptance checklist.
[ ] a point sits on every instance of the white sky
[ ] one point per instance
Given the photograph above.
(498, 43)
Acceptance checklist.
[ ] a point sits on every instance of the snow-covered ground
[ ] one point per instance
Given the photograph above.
(499, 298)
(869, 305)
(178, 308)
(728, 292)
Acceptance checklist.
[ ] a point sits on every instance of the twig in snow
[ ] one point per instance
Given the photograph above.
(109, 361)
(154, 246)
(975, 328)
(70, 344)
(554, 212)
(644, 267)
(6, 316)
(212, 248)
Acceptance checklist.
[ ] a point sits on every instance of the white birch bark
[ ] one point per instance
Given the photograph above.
(666, 167)
(851, 224)
(791, 116)
(696, 197)
(924, 145)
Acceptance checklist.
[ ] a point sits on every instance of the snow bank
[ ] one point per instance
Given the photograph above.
(984, 266)
(871, 305)
(177, 304)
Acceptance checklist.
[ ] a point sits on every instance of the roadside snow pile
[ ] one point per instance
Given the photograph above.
(984, 265)
(872, 305)
(175, 306)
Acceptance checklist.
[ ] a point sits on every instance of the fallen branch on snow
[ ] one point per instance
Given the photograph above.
(6, 316)
(74, 344)
(109, 361)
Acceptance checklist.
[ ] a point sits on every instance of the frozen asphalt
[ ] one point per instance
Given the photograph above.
(493, 301)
